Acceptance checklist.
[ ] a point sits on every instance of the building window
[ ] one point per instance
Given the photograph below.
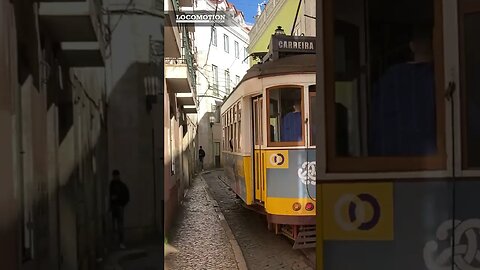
(217, 113)
(214, 36)
(227, 82)
(237, 79)
(237, 50)
(285, 114)
(470, 83)
(245, 55)
(226, 43)
(215, 80)
(383, 87)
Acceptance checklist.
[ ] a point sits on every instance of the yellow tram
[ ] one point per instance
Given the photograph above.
(268, 142)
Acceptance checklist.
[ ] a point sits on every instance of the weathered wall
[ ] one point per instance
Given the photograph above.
(8, 79)
(134, 132)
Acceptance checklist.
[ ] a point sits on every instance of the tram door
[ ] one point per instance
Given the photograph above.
(258, 157)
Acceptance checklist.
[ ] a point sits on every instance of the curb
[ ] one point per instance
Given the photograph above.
(237, 251)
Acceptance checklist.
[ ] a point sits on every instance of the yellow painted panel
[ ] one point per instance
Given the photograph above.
(258, 174)
(357, 211)
(284, 206)
(247, 171)
(264, 177)
(276, 159)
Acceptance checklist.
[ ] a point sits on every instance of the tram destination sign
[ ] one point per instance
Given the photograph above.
(297, 44)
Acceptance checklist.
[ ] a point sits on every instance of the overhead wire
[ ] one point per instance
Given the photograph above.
(211, 35)
(121, 16)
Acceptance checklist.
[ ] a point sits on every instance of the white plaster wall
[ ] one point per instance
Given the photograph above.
(215, 55)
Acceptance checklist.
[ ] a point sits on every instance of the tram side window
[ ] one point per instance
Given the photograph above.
(223, 132)
(230, 139)
(255, 123)
(311, 122)
(384, 78)
(285, 115)
(470, 42)
(239, 133)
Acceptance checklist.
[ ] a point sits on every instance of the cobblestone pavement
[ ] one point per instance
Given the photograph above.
(261, 248)
(198, 235)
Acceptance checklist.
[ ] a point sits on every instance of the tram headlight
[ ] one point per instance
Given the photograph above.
(296, 206)
(309, 206)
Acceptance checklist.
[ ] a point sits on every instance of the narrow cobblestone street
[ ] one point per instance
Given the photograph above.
(203, 243)
(198, 235)
(262, 249)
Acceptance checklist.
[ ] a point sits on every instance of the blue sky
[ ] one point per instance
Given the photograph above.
(248, 7)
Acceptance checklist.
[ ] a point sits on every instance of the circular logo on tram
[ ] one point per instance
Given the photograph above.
(357, 218)
(277, 159)
(307, 173)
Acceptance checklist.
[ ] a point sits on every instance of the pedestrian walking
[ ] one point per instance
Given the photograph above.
(119, 198)
(201, 155)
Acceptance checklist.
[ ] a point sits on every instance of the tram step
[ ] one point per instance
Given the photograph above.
(288, 232)
(307, 238)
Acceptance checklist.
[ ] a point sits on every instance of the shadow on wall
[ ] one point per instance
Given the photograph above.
(180, 163)
(135, 139)
(70, 217)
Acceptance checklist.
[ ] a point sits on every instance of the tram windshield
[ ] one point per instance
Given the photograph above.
(384, 77)
(285, 115)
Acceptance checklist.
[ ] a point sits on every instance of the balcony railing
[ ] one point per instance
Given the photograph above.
(176, 5)
(189, 57)
(175, 61)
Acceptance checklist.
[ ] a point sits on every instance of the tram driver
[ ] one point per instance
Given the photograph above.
(403, 115)
(291, 130)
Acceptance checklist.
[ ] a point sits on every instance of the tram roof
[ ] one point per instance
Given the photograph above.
(290, 64)
(300, 63)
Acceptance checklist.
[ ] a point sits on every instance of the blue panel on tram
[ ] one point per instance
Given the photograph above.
(420, 210)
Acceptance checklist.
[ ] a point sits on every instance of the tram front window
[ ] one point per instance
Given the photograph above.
(384, 78)
(285, 115)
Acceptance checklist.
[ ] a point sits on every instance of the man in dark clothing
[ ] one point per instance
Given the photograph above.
(201, 155)
(291, 130)
(403, 117)
(119, 198)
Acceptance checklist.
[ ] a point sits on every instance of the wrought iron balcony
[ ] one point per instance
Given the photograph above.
(189, 57)
(180, 74)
